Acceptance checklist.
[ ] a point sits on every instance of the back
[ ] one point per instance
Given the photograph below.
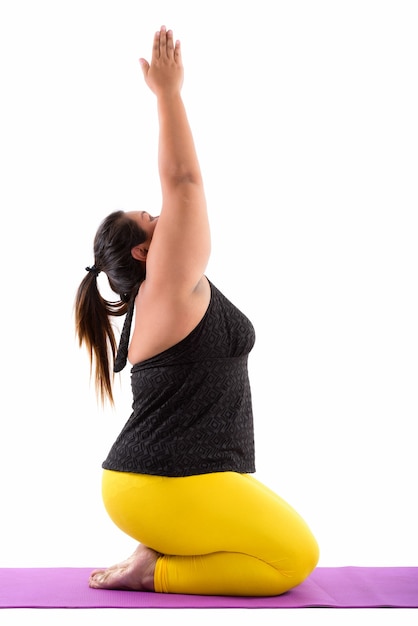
(192, 410)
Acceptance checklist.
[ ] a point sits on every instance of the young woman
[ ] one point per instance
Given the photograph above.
(178, 478)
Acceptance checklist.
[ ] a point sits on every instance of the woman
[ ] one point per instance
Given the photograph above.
(178, 477)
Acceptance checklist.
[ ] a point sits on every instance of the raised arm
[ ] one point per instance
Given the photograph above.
(180, 247)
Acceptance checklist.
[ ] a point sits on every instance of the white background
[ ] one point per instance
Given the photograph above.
(304, 115)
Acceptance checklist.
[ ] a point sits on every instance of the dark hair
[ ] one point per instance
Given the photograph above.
(114, 240)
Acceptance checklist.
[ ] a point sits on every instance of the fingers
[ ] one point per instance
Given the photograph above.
(163, 42)
(164, 46)
(166, 42)
(156, 46)
(177, 52)
(170, 45)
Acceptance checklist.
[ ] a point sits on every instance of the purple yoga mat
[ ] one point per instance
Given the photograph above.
(335, 587)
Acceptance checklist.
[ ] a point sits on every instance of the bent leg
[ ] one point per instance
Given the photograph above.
(222, 573)
(222, 533)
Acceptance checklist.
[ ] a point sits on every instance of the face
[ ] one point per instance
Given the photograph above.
(145, 221)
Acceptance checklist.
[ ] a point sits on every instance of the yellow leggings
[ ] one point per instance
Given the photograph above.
(219, 534)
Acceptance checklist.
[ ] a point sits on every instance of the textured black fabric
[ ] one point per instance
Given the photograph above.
(122, 354)
(192, 410)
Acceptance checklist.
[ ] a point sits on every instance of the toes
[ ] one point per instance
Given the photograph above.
(111, 578)
(96, 580)
(96, 571)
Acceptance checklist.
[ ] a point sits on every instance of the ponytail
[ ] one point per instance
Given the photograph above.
(94, 329)
(113, 243)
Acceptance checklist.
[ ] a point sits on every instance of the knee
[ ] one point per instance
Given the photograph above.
(297, 565)
(304, 561)
(310, 558)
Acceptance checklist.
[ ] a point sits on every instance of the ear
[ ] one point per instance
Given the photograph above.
(140, 252)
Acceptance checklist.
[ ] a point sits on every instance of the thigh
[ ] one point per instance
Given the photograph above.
(202, 514)
(237, 513)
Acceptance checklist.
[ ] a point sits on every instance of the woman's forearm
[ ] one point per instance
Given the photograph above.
(177, 157)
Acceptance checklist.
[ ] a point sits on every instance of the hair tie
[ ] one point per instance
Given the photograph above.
(93, 269)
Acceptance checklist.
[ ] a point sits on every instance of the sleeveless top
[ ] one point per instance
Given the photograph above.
(192, 409)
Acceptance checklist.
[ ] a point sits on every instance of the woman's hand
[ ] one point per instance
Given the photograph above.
(164, 76)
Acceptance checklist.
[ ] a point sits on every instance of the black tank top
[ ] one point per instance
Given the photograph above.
(192, 409)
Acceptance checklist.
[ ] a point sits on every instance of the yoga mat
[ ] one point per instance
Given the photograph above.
(334, 587)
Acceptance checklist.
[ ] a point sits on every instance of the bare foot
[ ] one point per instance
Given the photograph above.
(134, 574)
